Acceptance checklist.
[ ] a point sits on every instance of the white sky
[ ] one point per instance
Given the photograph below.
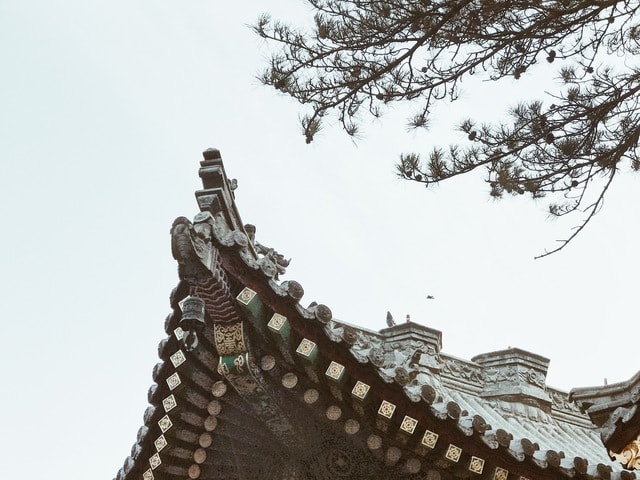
(105, 108)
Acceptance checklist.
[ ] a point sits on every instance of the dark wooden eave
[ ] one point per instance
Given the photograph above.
(614, 410)
(276, 390)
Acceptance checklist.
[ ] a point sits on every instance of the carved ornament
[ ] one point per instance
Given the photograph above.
(272, 263)
(229, 338)
(462, 371)
(192, 246)
(561, 401)
(629, 457)
(498, 375)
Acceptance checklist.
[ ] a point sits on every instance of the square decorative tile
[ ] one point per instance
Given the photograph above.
(177, 359)
(147, 475)
(245, 296)
(160, 443)
(165, 423)
(453, 453)
(154, 461)
(169, 403)
(501, 474)
(277, 322)
(307, 348)
(386, 409)
(408, 425)
(429, 439)
(173, 381)
(335, 371)
(476, 465)
(360, 390)
(179, 333)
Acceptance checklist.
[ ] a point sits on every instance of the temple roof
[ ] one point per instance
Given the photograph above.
(614, 410)
(260, 386)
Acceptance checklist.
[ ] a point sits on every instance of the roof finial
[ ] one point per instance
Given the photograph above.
(211, 154)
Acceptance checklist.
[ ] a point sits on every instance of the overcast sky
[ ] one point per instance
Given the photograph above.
(105, 108)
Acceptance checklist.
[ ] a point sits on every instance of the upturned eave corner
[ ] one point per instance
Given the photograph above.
(614, 409)
(217, 193)
(274, 389)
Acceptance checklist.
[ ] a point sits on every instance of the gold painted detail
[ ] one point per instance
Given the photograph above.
(245, 296)
(629, 457)
(234, 365)
(154, 461)
(165, 423)
(306, 348)
(429, 439)
(169, 403)
(335, 371)
(501, 474)
(277, 322)
(476, 465)
(147, 475)
(453, 453)
(177, 359)
(160, 443)
(408, 424)
(229, 339)
(173, 381)
(360, 390)
(386, 409)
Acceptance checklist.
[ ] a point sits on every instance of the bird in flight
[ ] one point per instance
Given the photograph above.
(390, 321)
(430, 297)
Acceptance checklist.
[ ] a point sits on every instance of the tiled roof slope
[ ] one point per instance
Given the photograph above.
(276, 390)
(507, 388)
(614, 410)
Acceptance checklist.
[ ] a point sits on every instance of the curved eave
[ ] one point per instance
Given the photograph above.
(614, 409)
(455, 420)
(200, 424)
